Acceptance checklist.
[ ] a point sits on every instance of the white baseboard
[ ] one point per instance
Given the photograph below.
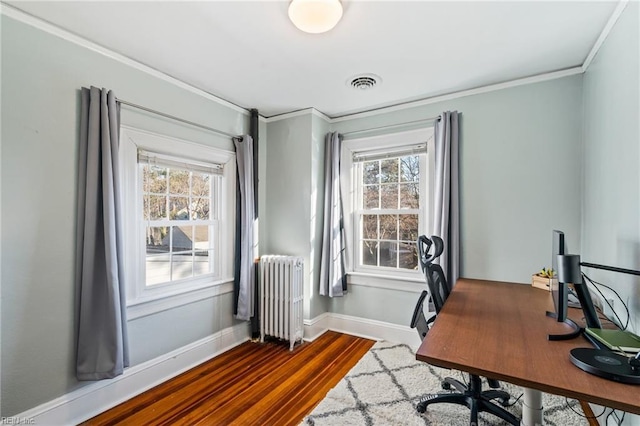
(315, 327)
(93, 399)
(362, 327)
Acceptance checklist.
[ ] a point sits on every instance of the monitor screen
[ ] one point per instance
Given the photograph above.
(558, 290)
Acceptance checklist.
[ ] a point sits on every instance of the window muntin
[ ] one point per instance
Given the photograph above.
(388, 211)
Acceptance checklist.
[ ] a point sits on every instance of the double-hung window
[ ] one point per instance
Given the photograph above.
(180, 203)
(179, 216)
(389, 203)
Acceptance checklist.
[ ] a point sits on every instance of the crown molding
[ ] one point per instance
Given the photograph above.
(38, 23)
(52, 29)
(604, 34)
(298, 113)
(464, 93)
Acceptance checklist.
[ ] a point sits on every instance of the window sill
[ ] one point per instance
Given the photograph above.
(143, 307)
(401, 283)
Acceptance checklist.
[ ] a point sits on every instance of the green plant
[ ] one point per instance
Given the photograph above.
(546, 272)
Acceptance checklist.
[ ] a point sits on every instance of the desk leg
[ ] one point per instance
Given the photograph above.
(532, 408)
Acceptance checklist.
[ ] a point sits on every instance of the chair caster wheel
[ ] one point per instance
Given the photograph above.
(446, 385)
(421, 407)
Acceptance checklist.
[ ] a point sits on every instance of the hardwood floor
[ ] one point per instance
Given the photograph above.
(252, 384)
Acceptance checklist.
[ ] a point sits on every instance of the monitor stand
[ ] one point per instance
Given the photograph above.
(577, 330)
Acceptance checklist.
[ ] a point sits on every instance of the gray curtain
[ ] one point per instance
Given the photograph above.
(102, 346)
(333, 280)
(246, 273)
(446, 213)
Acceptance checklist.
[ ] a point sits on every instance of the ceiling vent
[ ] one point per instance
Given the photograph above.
(364, 82)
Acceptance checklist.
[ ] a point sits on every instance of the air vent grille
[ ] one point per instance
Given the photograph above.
(364, 82)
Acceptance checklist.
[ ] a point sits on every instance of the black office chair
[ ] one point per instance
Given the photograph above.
(470, 395)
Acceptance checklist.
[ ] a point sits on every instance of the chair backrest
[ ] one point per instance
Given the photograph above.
(437, 283)
(424, 244)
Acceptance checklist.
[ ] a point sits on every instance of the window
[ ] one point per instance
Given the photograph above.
(388, 211)
(179, 216)
(179, 210)
(389, 182)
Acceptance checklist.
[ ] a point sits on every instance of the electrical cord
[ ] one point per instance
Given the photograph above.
(594, 417)
(626, 308)
(617, 419)
(514, 402)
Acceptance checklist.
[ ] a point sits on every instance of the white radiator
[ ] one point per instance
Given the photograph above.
(281, 297)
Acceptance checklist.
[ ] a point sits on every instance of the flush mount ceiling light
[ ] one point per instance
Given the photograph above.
(315, 16)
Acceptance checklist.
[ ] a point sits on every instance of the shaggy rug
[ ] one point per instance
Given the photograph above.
(384, 387)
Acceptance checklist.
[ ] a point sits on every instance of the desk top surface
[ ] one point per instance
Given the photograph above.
(499, 330)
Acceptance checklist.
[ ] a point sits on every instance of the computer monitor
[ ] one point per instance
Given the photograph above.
(566, 269)
(569, 272)
(559, 290)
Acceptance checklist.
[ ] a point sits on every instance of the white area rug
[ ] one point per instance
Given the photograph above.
(386, 384)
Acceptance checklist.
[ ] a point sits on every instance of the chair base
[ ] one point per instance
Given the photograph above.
(474, 398)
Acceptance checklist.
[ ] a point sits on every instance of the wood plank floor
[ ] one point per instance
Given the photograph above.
(252, 384)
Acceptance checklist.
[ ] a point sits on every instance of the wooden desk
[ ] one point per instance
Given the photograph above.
(499, 330)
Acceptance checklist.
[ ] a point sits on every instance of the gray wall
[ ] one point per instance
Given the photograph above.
(611, 217)
(513, 193)
(41, 78)
(292, 219)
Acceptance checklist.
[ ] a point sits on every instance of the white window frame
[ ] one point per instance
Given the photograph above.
(142, 299)
(373, 275)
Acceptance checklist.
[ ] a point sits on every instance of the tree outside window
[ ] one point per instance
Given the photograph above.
(389, 212)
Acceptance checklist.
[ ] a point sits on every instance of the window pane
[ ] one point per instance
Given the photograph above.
(389, 170)
(157, 239)
(409, 227)
(389, 198)
(409, 196)
(155, 207)
(158, 269)
(181, 238)
(178, 182)
(155, 179)
(200, 184)
(388, 254)
(203, 262)
(370, 172)
(370, 226)
(370, 197)
(370, 253)
(181, 265)
(388, 227)
(201, 238)
(200, 209)
(408, 256)
(410, 169)
(178, 208)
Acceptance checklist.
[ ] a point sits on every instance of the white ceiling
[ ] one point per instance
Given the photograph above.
(249, 53)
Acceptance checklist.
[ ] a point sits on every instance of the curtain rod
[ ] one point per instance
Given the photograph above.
(173, 117)
(424, 120)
